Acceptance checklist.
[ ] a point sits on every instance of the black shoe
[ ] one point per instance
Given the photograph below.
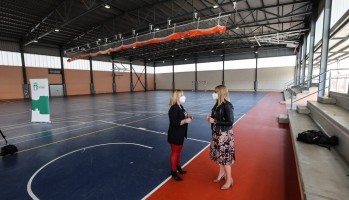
(175, 176)
(180, 170)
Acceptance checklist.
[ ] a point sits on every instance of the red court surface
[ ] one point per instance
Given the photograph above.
(264, 168)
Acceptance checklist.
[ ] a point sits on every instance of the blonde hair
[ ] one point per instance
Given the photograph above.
(223, 94)
(175, 96)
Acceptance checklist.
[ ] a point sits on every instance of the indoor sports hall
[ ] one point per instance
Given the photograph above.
(87, 89)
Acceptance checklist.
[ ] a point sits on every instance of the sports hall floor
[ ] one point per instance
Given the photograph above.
(115, 147)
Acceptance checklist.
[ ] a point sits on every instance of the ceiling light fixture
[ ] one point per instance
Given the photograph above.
(185, 59)
(35, 41)
(223, 42)
(157, 29)
(107, 6)
(215, 6)
(212, 51)
(56, 29)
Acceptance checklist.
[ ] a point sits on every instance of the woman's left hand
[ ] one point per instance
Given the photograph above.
(191, 117)
(210, 119)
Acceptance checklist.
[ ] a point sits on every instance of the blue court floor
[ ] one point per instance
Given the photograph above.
(100, 147)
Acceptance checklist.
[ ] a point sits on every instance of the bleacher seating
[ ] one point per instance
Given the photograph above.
(323, 174)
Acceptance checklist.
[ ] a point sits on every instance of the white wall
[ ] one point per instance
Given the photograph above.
(238, 79)
(274, 78)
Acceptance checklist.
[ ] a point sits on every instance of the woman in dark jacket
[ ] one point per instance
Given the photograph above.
(177, 131)
(222, 149)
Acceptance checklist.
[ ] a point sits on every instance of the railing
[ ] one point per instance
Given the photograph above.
(337, 80)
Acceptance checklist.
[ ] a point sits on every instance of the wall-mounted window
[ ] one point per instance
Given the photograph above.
(319, 26)
(34, 60)
(8, 58)
(339, 8)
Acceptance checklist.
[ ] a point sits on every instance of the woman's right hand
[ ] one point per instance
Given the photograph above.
(188, 120)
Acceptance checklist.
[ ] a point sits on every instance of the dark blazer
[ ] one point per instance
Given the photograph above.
(223, 115)
(176, 132)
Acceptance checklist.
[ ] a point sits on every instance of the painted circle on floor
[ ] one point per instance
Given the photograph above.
(29, 184)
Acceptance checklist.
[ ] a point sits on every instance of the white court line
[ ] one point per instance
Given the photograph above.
(144, 129)
(81, 123)
(29, 185)
(168, 178)
(30, 124)
(15, 113)
(59, 119)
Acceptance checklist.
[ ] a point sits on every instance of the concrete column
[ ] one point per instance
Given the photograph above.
(324, 47)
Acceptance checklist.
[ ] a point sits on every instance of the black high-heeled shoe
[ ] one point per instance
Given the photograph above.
(180, 170)
(175, 176)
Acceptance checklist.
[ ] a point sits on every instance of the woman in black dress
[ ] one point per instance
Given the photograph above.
(177, 131)
(222, 149)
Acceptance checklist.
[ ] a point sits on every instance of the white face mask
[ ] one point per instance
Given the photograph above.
(214, 96)
(182, 99)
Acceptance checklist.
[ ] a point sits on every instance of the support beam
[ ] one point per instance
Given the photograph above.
(173, 76)
(223, 71)
(113, 74)
(61, 54)
(154, 77)
(26, 94)
(196, 75)
(311, 44)
(256, 72)
(324, 47)
(92, 87)
(145, 76)
(299, 69)
(131, 76)
(304, 58)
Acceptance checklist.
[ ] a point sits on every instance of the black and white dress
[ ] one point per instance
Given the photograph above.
(222, 150)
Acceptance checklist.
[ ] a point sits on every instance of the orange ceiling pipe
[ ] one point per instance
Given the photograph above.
(174, 36)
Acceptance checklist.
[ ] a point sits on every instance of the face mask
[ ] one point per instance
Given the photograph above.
(182, 99)
(214, 96)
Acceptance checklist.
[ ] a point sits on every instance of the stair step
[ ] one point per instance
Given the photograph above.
(283, 119)
(303, 110)
(342, 99)
(333, 120)
(326, 100)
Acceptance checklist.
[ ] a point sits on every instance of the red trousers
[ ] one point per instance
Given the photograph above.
(175, 156)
